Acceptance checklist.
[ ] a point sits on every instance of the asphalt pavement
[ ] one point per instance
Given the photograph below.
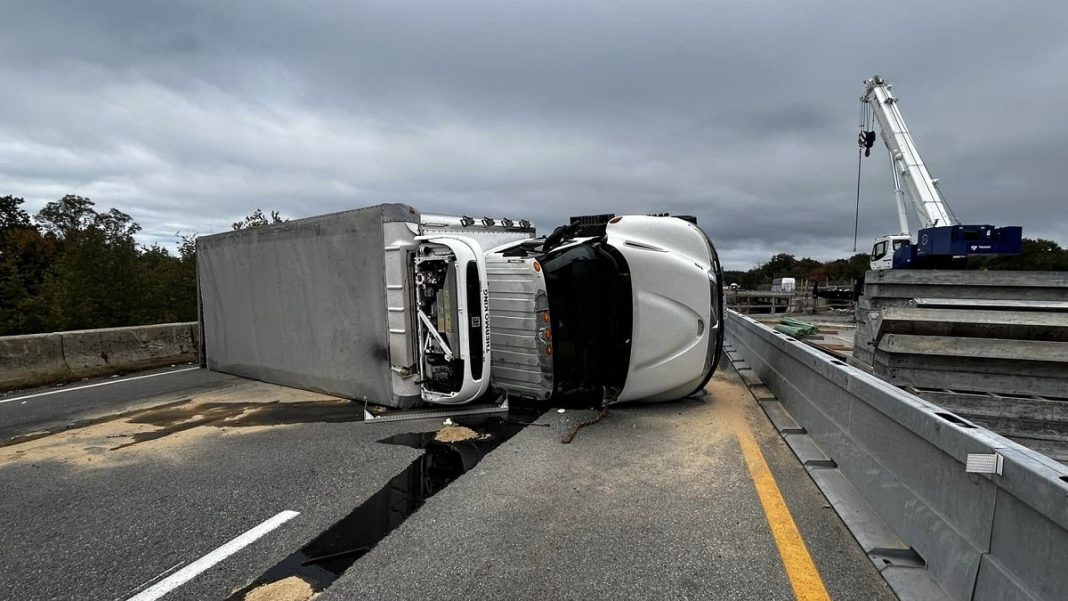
(82, 519)
(53, 408)
(653, 502)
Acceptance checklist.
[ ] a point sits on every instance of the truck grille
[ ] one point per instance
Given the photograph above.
(518, 311)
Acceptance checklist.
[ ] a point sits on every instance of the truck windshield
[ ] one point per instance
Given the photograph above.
(590, 305)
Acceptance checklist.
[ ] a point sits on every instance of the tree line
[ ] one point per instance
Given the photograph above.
(1037, 255)
(784, 265)
(73, 267)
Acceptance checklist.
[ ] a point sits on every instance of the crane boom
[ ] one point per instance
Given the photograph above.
(909, 169)
(941, 241)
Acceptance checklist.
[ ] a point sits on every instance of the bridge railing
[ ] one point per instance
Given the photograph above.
(980, 536)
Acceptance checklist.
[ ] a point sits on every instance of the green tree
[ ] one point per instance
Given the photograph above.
(93, 281)
(1037, 255)
(257, 219)
(11, 214)
(72, 267)
(67, 216)
(167, 283)
(25, 258)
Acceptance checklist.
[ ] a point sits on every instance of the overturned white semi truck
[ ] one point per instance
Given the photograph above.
(400, 308)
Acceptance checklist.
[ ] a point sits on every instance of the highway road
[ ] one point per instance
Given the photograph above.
(49, 408)
(188, 484)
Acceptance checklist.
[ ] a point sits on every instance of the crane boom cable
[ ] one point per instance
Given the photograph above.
(865, 141)
(856, 216)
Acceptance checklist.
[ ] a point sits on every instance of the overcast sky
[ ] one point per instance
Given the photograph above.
(189, 115)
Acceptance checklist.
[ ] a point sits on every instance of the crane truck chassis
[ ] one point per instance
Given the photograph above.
(392, 306)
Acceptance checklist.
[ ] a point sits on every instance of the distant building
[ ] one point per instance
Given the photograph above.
(783, 284)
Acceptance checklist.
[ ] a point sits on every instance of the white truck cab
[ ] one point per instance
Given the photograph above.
(626, 306)
(676, 300)
(882, 252)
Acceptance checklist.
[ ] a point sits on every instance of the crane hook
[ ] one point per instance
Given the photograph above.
(866, 140)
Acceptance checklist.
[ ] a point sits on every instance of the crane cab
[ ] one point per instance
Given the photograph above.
(882, 252)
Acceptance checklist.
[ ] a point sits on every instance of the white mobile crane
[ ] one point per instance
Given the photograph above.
(941, 237)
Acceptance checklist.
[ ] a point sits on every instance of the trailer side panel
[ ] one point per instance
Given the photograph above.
(302, 303)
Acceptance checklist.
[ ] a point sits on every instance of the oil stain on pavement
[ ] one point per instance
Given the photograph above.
(111, 439)
(174, 419)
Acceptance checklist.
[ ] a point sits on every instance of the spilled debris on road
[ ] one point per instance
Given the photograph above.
(455, 434)
(288, 589)
(120, 438)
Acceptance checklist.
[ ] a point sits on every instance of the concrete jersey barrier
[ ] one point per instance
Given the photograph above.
(39, 359)
(981, 536)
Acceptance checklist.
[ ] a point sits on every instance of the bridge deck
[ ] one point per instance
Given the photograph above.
(664, 501)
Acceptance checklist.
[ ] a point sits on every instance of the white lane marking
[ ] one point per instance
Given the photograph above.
(194, 569)
(156, 577)
(59, 390)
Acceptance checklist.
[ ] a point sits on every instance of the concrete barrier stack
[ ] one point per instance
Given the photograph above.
(991, 346)
(1002, 305)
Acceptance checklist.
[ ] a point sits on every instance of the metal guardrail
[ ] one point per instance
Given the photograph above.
(982, 536)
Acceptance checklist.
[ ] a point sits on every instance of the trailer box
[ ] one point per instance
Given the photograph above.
(305, 303)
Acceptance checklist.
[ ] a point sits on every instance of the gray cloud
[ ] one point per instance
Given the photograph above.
(190, 115)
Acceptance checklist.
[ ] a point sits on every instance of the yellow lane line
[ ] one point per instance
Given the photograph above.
(804, 577)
